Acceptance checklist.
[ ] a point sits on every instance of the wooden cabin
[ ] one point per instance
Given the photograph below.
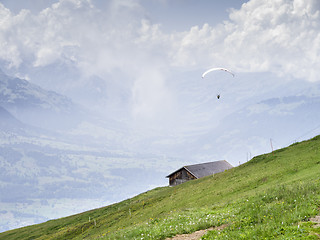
(196, 171)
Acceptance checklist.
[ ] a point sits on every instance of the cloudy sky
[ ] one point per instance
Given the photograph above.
(139, 63)
(145, 57)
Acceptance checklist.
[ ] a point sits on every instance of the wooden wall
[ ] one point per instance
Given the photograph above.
(180, 177)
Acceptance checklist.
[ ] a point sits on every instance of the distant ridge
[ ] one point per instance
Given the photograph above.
(9, 122)
(36, 106)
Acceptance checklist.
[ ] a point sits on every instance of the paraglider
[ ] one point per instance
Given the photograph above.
(217, 69)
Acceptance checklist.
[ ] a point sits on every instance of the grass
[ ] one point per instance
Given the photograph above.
(270, 197)
(280, 213)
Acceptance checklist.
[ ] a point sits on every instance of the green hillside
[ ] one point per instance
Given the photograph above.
(272, 196)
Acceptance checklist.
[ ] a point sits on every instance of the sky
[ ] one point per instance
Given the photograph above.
(139, 46)
(139, 63)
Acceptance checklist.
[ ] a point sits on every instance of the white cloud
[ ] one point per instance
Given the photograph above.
(121, 44)
(153, 102)
(277, 36)
(9, 50)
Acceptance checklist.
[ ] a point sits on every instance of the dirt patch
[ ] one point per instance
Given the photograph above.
(196, 235)
(316, 220)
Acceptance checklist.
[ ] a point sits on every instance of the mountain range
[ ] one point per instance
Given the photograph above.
(36, 106)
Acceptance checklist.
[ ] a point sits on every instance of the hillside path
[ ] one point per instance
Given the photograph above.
(196, 235)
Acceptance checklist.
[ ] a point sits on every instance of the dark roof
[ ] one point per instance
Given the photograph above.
(205, 169)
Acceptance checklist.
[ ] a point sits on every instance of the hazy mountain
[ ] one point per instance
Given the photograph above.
(9, 122)
(35, 106)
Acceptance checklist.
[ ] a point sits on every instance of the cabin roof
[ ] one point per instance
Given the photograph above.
(205, 169)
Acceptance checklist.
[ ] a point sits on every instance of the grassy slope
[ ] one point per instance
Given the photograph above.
(268, 181)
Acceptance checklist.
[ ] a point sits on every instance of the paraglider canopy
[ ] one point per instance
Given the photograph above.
(217, 69)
